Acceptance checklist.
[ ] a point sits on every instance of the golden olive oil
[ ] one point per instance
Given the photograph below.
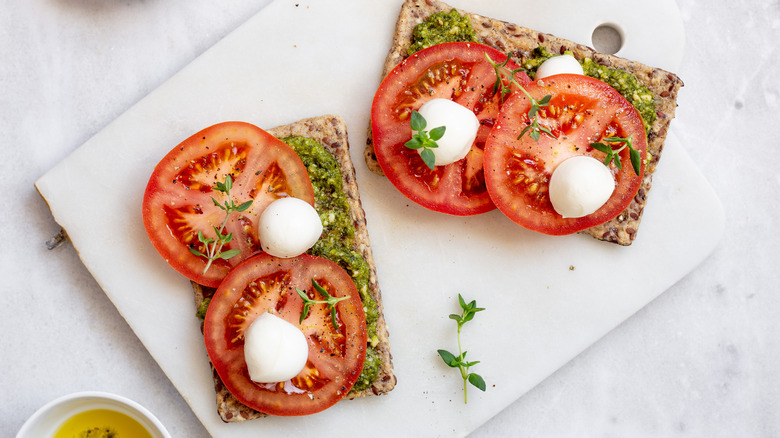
(101, 423)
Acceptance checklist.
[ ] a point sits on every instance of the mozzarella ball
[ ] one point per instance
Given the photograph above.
(288, 227)
(557, 65)
(580, 185)
(274, 349)
(461, 129)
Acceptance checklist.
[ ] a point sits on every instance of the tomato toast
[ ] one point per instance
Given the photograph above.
(523, 45)
(349, 359)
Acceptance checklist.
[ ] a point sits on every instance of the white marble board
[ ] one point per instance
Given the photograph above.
(547, 298)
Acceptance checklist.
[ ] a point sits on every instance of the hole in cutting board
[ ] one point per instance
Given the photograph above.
(607, 38)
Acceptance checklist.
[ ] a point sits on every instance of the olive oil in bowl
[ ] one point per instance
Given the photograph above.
(101, 423)
(92, 414)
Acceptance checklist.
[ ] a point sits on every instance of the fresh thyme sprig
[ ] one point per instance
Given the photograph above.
(329, 300)
(459, 361)
(214, 245)
(424, 140)
(614, 154)
(505, 78)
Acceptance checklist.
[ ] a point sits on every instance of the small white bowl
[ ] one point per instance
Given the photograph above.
(46, 420)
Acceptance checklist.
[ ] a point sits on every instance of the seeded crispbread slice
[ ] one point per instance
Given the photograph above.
(520, 43)
(331, 132)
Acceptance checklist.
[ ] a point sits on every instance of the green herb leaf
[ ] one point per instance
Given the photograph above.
(614, 154)
(449, 358)
(505, 79)
(333, 317)
(214, 245)
(244, 206)
(320, 290)
(329, 300)
(436, 134)
(469, 310)
(428, 158)
(196, 252)
(418, 122)
(414, 143)
(546, 131)
(616, 159)
(306, 304)
(229, 253)
(636, 160)
(476, 380)
(226, 186)
(524, 131)
(422, 140)
(202, 239)
(304, 312)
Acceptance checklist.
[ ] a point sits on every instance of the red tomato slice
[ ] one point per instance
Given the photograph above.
(267, 284)
(455, 71)
(178, 199)
(582, 111)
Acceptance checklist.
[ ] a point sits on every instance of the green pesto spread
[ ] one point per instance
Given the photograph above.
(338, 237)
(624, 82)
(371, 368)
(203, 308)
(441, 27)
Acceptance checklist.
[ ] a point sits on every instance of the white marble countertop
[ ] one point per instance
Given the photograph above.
(699, 361)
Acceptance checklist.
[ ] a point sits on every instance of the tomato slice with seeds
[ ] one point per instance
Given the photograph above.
(178, 199)
(456, 71)
(582, 111)
(264, 283)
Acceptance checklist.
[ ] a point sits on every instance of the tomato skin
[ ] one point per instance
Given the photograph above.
(456, 71)
(178, 198)
(583, 110)
(265, 283)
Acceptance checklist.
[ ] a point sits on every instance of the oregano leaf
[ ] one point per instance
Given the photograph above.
(428, 158)
(437, 133)
(414, 143)
(418, 122)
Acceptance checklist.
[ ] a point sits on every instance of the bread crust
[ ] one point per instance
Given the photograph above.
(331, 132)
(520, 42)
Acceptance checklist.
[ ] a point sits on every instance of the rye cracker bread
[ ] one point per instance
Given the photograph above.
(520, 42)
(331, 132)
